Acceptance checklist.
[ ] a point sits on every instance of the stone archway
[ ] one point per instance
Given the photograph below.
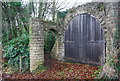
(84, 40)
(90, 8)
(106, 19)
(104, 16)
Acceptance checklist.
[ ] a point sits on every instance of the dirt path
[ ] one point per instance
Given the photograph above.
(58, 70)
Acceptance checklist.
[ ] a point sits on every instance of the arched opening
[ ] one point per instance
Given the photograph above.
(84, 40)
(49, 40)
(50, 37)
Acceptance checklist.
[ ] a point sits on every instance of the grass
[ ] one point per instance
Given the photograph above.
(40, 69)
(10, 70)
(97, 72)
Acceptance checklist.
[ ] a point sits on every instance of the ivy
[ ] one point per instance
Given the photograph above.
(14, 3)
(49, 40)
(62, 14)
(15, 48)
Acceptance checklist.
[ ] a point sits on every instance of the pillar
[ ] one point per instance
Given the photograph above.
(36, 44)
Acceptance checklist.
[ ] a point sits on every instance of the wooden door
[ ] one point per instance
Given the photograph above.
(84, 40)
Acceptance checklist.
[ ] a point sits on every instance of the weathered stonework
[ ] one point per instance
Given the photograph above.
(107, 17)
(90, 8)
(111, 23)
(36, 44)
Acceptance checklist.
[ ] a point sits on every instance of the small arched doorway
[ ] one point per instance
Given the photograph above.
(49, 40)
(84, 40)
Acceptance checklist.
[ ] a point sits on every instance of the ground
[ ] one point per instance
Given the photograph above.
(58, 70)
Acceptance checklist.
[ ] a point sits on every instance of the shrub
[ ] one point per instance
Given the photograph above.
(49, 41)
(15, 48)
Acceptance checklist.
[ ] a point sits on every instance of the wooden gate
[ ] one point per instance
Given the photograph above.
(84, 40)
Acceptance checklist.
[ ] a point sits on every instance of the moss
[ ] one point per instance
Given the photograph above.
(30, 33)
(10, 69)
(49, 22)
(73, 10)
(39, 69)
(97, 72)
(101, 7)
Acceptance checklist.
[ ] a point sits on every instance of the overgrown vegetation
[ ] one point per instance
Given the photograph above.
(15, 31)
(15, 28)
(15, 48)
(117, 46)
(97, 72)
(49, 40)
(15, 35)
(40, 69)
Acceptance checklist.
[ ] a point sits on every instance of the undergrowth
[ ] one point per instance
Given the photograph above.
(13, 49)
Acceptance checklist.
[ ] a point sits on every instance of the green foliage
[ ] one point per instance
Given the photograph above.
(10, 70)
(40, 69)
(116, 39)
(101, 6)
(15, 19)
(15, 48)
(49, 40)
(62, 14)
(117, 44)
(97, 72)
(118, 67)
(15, 3)
(73, 10)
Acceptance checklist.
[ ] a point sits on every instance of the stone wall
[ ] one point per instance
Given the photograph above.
(111, 23)
(107, 16)
(89, 8)
(36, 44)
(0, 60)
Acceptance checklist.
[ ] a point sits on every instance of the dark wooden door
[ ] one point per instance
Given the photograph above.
(84, 40)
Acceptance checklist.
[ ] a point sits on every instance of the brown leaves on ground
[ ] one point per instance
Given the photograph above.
(58, 70)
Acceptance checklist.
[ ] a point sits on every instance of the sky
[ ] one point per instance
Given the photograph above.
(62, 0)
(67, 3)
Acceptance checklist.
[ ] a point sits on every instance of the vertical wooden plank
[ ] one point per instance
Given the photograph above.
(70, 40)
(76, 52)
(81, 37)
(87, 28)
(67, 38)
(78, 36)
(90, 46)
(87, 33)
